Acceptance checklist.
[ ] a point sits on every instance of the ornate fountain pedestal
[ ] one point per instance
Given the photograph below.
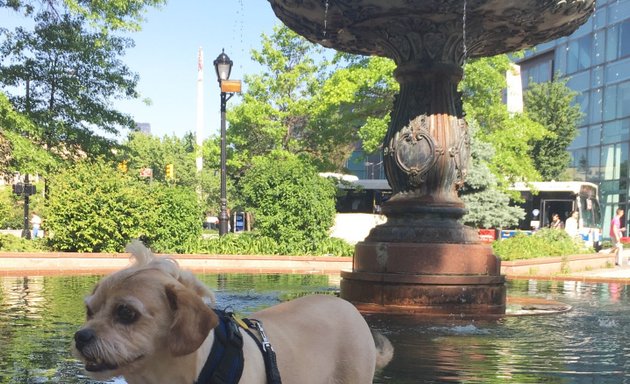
(423, 260)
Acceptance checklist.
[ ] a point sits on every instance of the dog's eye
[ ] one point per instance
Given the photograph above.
(125, 314)
(88, 312)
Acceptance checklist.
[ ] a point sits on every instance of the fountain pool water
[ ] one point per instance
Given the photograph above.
(589, 344)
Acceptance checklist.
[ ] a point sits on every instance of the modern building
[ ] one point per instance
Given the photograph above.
(365, 166)
(596, 60)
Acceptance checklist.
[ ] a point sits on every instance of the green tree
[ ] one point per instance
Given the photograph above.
(353, 104)
(511, 135)
(108, 15)
(552, 104)
(18, 153)
(307, 105)
(290, 202)
(488, 206)
(147, 151)
(275, 108)
(64, 79)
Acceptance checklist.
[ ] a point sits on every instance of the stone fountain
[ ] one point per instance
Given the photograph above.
(423, 260)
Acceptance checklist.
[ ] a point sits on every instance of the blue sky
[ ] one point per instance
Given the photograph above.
(165, 57)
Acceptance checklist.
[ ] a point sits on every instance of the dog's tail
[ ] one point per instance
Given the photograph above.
(139, 252)
(384, 350)
(144, 258)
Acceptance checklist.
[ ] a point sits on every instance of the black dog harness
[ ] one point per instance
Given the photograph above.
(225, 362)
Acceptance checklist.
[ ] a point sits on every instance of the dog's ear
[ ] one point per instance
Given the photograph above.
(192, 320)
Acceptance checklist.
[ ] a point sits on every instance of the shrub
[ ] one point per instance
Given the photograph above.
(253, 243)
(545, 242)
(247, 243)
(174, 223)
(10, 243)
(292, 204)
(94, 208)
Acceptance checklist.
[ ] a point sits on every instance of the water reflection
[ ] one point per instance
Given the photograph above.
(585, 345)
(590, 344)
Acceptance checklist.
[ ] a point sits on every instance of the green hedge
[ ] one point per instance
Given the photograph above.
(11, 243)
(94, 208)
(543, 243)
(253, 243)
(291, 203)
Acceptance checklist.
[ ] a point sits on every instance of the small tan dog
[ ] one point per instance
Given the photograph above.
(152, 323)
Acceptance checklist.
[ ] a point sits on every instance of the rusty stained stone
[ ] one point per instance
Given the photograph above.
(434, 299)
(426, 259)
(431, 29)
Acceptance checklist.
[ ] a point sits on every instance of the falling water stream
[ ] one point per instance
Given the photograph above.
(325, 20)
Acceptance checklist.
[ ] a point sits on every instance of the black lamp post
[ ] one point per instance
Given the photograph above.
(25, 189)
(223, 67)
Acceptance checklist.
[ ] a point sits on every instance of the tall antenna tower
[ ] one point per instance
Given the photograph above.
(199, 135)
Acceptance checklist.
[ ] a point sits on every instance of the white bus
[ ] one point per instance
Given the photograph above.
(359, 202)
(543, 199)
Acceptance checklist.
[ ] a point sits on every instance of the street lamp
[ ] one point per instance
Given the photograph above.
(25, 189)
(223, 67)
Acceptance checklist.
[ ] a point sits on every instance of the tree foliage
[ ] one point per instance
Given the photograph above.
(511, 135)
(274, 112)
(290, 202)
(95, 208)
(307, 105)
(64, 78)
(145, 151)
(107, 15)
(355, 102)
(17, 152)
(552, 104)
(488, 206)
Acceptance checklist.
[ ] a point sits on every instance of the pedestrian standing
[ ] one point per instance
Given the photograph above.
(615, 235)
(571, 226)
(36, 222)
(556, 223)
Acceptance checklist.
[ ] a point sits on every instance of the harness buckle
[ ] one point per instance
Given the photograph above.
(266, 345)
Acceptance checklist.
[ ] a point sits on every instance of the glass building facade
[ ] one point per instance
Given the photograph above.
(596, 60)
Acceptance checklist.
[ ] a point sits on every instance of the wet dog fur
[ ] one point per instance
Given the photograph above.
(152, 323)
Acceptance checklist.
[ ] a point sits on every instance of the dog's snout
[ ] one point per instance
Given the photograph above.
(84, 337)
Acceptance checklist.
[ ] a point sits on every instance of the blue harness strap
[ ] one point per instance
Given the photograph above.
(225, 362)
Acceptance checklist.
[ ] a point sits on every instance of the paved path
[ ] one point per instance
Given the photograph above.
(608, 273)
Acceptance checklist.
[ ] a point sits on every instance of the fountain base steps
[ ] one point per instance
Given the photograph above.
(427, 279)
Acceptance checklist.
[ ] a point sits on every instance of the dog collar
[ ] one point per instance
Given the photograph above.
(225, 362)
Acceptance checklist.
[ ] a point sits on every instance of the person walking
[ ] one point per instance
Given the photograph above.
(36, 222)
(615, 235)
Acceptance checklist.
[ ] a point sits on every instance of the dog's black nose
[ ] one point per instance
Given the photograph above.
(84, 337)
